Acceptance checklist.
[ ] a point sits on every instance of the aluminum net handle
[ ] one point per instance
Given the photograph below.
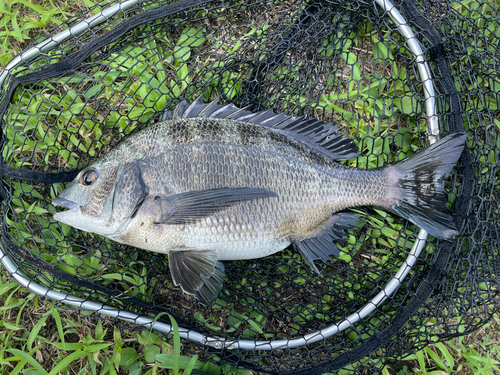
(392, 285)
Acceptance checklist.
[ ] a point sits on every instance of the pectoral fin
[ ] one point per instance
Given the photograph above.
(198, 273)
(321, 243)
(189, 207)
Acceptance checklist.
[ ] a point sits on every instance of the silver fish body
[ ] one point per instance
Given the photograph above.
(205, 189)
(308, 188)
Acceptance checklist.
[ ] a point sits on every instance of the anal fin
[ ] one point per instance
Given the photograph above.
(320, 244)
(198, 272)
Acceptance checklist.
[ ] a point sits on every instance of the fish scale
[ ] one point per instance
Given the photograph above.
(206, 189)
(305, 192)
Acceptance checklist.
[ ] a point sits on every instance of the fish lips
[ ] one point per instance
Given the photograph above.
(72, 206)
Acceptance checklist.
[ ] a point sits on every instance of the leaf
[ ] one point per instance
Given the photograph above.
(129, 355)
(136, 371)
(12, 326)
(31, 372)
(177, 344)
(69, 346)
(151, 352)
(118, 346)
(436, 358)
(380, 50)
(91, 4)
(447, 356)
(190, 365)
(66, 361)
(96, 347)
(4, 288)
(36, 8)
(235, 321)
(183, 75)
(421, 361)
(182, 53)
(36, 329)
(17, 31)
(167, 361)
(406, 104)
(99, 333)
(33, 25)
(149, 338)
(29, 359)
(191, 37)
(255, 325)
(92, 91)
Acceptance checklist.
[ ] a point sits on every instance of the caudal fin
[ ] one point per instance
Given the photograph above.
(420, 194)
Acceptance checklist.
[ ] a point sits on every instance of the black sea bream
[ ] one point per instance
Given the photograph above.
(221, 183)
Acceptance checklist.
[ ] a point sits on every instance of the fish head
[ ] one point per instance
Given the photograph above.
(89, 199)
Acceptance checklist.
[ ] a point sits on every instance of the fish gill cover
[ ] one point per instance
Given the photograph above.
(346, 63)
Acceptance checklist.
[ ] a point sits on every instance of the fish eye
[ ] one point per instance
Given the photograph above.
(89, 177)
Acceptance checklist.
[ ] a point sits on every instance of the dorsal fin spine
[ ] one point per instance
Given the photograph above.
(220, 110)
(205, 112)
(260, 115)
(318, 135)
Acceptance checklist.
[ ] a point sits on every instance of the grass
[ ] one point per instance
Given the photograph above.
(40, 339)
(37, 338)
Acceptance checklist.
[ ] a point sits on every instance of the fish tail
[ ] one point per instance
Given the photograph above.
(419, 193)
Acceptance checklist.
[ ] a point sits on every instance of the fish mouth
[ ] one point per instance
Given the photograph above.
(65, 203)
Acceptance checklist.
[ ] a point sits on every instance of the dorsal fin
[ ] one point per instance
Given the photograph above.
(315, 133)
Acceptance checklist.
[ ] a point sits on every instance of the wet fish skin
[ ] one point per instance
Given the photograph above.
(206, 189)
(234, 155)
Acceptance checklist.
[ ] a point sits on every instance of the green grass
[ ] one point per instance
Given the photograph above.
(37, 338)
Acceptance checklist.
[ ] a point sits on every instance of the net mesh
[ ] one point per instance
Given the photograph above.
(343, 62)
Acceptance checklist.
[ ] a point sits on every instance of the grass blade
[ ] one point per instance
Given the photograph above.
(66, 361)
(421, 361)
(16, 30)
(177, 344)
(57, 318)
(447, 355)
(36, 8)
(18, 368)
(36, 329)
(6, 287)
(167, 361)
(26, 357)
(190, 365)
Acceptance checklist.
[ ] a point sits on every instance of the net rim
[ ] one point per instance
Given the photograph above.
(213, 341)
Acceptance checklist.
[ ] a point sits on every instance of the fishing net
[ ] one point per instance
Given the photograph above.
(394, 78)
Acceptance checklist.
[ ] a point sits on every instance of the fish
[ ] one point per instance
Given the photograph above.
(209, 183)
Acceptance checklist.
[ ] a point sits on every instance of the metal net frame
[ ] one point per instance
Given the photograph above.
(394, 77)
